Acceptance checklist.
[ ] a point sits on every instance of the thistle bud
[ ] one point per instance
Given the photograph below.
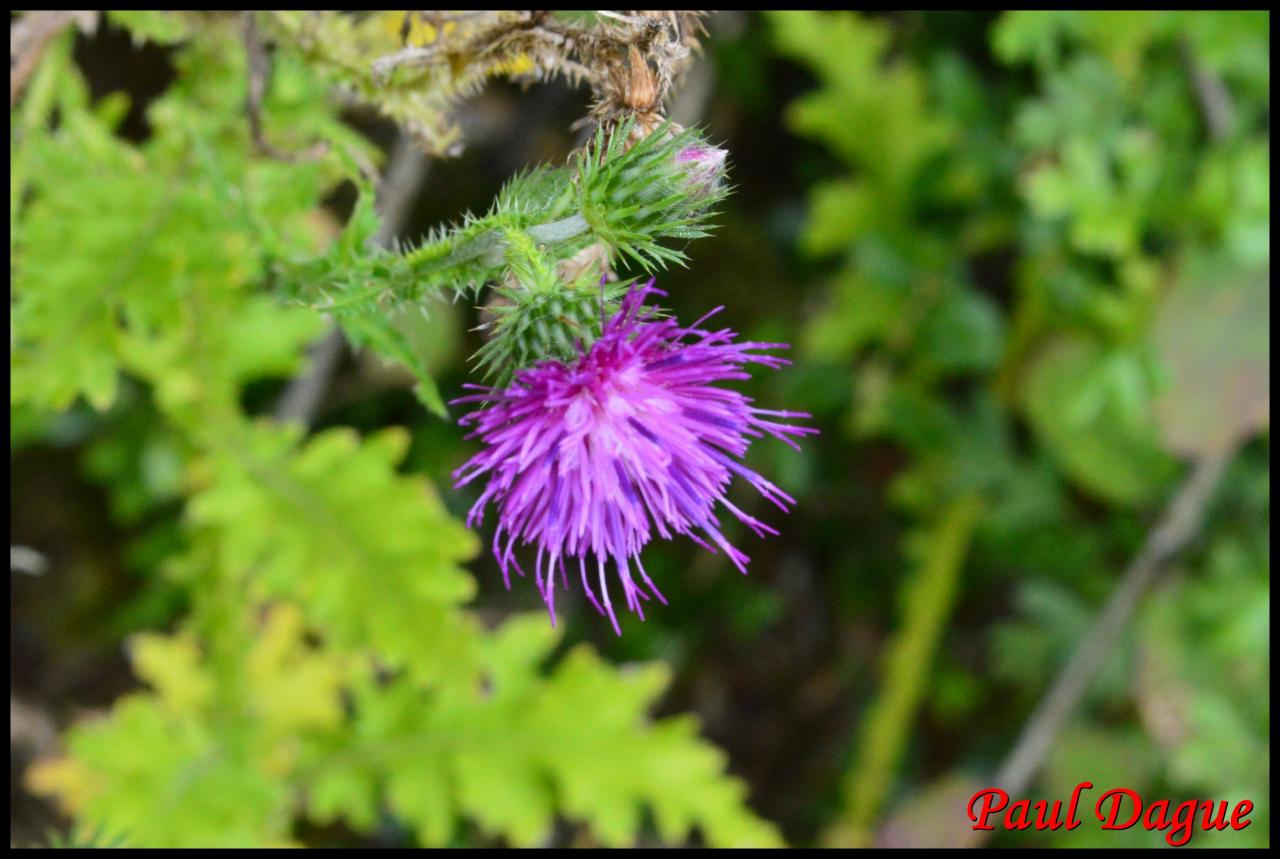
(705, 166)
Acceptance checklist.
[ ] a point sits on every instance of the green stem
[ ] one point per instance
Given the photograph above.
(559, 231)
(435, 257)
(928, 598)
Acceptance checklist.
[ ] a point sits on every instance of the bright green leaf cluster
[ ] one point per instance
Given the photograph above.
(490, 752)
(181, 314)
(318, 523)
(268, 732)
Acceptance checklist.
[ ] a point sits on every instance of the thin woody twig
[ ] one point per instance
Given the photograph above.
(258, 79)
(1177, 526)
(1215, 100)
(30, 34)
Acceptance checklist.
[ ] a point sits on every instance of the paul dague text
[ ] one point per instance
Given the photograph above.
(1118, 808)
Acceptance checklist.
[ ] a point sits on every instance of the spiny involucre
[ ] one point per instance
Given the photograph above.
(635, 436)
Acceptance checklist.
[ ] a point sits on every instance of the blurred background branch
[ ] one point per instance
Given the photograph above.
(1178, 525)
(30, 33)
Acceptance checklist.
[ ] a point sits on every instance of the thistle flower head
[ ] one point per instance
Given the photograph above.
(587, 460)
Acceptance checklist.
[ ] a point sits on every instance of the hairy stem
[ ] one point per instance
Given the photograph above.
(403, 179)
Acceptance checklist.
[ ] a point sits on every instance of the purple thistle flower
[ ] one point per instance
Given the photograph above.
(634, 438)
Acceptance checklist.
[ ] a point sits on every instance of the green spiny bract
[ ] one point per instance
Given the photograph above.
(527, 326)
(625, 200)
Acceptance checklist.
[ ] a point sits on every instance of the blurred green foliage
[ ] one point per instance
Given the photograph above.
(1114, 167)
(1026, 260)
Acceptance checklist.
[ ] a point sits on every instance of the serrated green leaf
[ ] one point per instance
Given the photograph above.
(313, 522)
(507, 754)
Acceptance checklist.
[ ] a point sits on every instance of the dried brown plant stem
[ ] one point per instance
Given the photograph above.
(30, 34)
